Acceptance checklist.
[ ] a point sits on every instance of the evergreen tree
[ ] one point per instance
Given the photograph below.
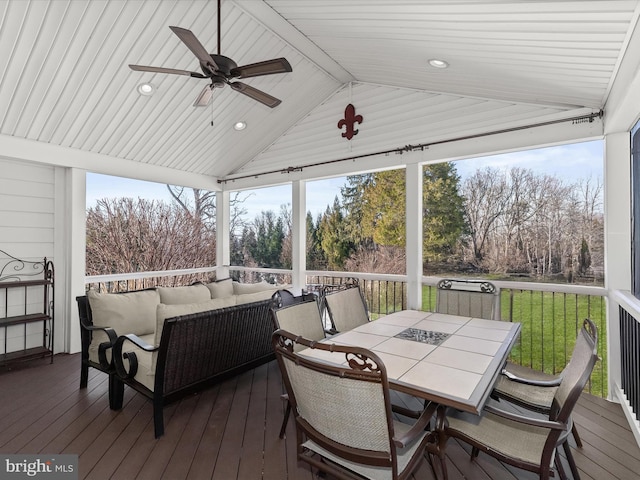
(334, 239)
(269, 235)
(443, 211)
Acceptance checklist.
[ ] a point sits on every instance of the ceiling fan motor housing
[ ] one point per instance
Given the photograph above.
(225, 65)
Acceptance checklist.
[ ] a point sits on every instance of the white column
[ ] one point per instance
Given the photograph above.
(223, 239)
(70, 238)
(617, 238)
(299, 234)
(413, 173)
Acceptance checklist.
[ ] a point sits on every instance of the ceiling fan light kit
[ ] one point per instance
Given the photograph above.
(221, 70)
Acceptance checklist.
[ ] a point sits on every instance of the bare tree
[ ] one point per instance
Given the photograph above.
(201, 204)
(126, 235)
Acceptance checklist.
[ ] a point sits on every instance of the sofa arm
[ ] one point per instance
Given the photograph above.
(119, 356)
(104, 346)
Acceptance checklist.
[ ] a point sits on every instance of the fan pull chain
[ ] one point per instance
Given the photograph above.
(211, 113)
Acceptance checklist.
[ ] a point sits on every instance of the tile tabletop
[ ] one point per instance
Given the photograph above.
(450, 359)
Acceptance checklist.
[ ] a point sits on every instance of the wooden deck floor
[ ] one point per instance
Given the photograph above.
(229, 431)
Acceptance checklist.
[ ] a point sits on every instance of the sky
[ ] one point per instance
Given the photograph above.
(568, 162)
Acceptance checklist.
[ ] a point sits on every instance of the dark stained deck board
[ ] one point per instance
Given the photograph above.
(230, 431)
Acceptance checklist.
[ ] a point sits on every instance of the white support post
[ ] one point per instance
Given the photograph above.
(223, 234)
(617, 239)
(71, 229)
(299, 234)
(413, 181)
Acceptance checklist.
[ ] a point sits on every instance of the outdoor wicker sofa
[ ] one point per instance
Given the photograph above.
(168, 350)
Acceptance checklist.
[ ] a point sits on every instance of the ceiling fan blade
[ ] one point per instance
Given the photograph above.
(193, 44)
(143, 68)
(268, 67)
(205, 97)
(256, 94)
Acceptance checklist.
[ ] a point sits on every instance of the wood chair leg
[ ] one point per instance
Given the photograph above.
(285, 420)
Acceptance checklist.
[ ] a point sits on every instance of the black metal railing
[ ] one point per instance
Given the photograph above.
(630, 359)
(551, 315)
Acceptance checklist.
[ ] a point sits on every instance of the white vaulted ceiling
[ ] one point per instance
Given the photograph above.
(65, 80)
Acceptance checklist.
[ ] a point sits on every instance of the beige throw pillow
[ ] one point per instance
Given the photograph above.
(254, 297)
(221, 288)
(169, 311)
(179, 295)
(244, 288)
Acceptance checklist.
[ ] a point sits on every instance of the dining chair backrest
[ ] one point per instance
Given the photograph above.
(347, 308)
(469, 298)
(301, 318)
(577, 372)
(342, 408)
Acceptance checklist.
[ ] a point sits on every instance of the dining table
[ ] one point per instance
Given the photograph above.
(451, 360)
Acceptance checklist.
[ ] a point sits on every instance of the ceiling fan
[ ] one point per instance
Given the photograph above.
(222, 70)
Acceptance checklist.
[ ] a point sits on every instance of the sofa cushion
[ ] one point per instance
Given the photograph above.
(243, 288)
(254, 297)
(221, 288)
(180, 295)
(133, 312)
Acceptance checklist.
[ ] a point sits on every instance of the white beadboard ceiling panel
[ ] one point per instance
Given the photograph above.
(65, 79)
(393, 118)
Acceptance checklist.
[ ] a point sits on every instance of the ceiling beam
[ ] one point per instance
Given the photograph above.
(267, 16)
(15, 148)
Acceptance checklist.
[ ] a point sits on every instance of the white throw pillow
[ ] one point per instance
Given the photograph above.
(180, 295)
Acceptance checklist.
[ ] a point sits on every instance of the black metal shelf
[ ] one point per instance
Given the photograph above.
(16, 284)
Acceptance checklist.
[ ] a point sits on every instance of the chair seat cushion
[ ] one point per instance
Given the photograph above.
(374, 473)
(515, 440)
(539, 398)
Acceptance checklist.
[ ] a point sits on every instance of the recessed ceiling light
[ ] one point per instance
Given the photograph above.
(240, 126)
(435, 63)
(146, 89)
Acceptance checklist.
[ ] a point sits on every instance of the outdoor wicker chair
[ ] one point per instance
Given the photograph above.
(300, 317)
(471, 298)
(528, 442)
(347, 308)
(344, 424)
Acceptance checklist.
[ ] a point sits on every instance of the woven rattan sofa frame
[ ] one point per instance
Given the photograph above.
(199, 350)
(359, 367)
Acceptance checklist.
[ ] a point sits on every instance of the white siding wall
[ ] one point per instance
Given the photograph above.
(27, 221)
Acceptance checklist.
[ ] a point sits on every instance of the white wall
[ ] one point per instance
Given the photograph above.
(28, 228)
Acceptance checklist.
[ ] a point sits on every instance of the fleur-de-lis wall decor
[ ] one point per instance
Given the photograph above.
(349, 121)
